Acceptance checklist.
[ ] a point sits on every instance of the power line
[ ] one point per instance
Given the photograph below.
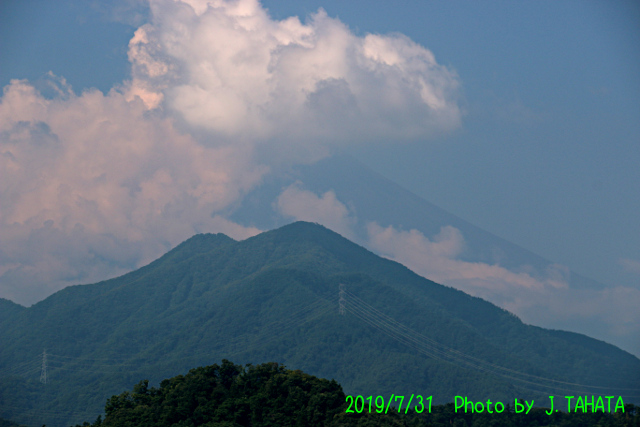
(439, 351)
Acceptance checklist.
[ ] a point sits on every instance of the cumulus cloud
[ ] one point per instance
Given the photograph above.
(227, 67)
(304, 205)
(543, 299)
(94, 185)
(437, 260)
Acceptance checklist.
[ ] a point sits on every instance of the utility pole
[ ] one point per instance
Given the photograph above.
(43, 372)
(342, 300)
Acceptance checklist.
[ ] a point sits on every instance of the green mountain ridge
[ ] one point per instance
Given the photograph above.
(8, 309)
(275, 298)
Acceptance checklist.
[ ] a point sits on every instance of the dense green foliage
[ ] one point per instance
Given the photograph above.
(270, 395)
(265, 395)
(7, 423)
(9, 309)
(274, 297)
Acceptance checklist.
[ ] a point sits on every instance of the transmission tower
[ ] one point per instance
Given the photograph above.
(342, 300)
(43, 372)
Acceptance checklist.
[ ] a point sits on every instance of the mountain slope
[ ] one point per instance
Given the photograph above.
(276, 297)
(367, 197)
(8, 309)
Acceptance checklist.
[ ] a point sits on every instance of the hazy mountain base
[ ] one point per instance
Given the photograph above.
(275, 297)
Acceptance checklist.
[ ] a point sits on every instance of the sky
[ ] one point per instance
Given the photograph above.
(127, 126)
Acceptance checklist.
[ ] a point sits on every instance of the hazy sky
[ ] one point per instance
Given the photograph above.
(520, 117)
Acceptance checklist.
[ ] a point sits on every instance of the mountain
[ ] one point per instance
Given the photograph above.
(8, 309)
(278, 297)
(371, 198)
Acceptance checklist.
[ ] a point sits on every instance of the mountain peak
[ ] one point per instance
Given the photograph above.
(9, 308)
(198, 244)
(301, 230)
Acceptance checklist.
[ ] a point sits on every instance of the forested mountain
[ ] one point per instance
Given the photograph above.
(9, 309)
(277, 297)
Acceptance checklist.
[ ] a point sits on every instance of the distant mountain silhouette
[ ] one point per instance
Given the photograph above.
(376, 198)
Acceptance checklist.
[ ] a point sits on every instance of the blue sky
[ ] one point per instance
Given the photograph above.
(545, 153)
(548, 152)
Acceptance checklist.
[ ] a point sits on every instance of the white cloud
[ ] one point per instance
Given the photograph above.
(227, 67)
(304, 205)
(94, 185)
(437, 260)
(543, 299)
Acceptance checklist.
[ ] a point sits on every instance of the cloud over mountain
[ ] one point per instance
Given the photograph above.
(540, 298)
(304, 205)
(93, 185)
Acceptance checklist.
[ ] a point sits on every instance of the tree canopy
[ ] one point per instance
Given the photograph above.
(266, 395)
